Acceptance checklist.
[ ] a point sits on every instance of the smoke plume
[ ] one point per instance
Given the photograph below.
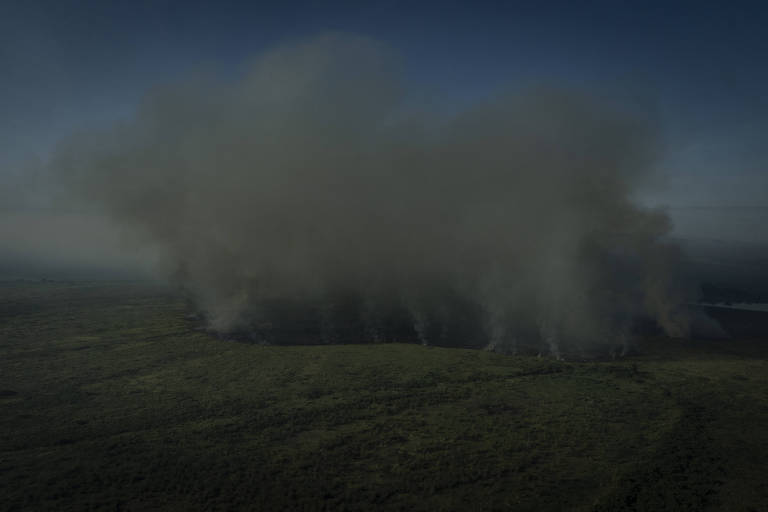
(310, 199)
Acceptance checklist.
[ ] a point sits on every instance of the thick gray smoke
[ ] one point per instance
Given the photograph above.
(308, 197)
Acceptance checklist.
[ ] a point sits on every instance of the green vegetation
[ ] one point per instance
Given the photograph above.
(111, 400)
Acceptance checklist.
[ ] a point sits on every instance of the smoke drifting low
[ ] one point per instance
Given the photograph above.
(309, 200)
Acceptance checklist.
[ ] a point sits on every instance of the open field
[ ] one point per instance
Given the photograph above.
(111, 400)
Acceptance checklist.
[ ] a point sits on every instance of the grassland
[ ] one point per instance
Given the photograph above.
(111, 400)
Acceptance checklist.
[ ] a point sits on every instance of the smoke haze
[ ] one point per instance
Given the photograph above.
(311, 189)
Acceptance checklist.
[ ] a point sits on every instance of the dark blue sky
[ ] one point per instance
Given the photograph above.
(65, 65)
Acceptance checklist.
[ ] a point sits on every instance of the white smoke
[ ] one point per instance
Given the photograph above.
(310, 186)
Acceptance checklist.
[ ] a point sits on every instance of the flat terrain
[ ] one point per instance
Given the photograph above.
(111, 400)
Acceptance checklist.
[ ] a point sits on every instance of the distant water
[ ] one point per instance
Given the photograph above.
(747, 306)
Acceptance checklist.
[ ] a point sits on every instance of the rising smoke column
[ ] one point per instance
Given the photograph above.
(311, 185)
